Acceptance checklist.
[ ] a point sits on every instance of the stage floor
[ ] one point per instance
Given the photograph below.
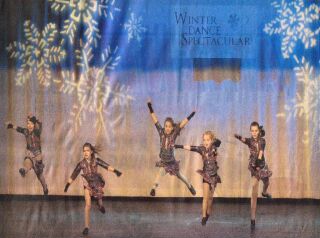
(64, 217)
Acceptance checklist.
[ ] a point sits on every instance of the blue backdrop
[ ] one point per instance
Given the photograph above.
(87, 68)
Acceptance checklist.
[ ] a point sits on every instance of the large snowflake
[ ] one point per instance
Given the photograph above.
(84, 12)
(95, 95)
(294, 23)
(134, 27)
(37, 54)
(306, 103)
(93, 89)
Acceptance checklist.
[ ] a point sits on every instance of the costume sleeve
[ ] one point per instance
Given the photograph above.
(21, 130)
(247, 141)
(262, 144)
(38, 128)
(102, 163)
(197, 149)
(159, 128)
(76, 172)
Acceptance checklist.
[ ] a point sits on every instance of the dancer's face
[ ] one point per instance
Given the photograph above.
(30, 126)
(254, 132)
(207, 141)
(87, 152)
(168, 127)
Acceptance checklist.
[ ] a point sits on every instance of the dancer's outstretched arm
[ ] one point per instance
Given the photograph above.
(186, 120)
(188, 147)
(239, 137)
(106, 166)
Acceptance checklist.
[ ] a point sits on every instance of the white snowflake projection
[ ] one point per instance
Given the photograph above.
(37, 54)
(95, 95)
(306, 103)
(84, 56)
(134, 27)
(69, 84)
(94, 90)
(294, 23)
(84, 12)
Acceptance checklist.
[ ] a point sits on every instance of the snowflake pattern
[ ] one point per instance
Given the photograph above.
(83, 56)
(84, 12)
(233, 20)
(91, 85)
(293, 23)
(93, 88)
(94, 92)
(306, 104)
(134, 28)
(37, 54)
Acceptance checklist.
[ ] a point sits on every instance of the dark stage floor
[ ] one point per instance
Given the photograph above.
(63, 217)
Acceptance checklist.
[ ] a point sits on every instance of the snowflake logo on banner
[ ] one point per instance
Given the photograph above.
(84, 12)
(293, 24)
(93, 88)
(306, 104)
(233, 20)
(134, 27)
(37, 54)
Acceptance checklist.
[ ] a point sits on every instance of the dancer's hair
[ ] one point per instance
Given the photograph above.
(96, 149)
(210, 134)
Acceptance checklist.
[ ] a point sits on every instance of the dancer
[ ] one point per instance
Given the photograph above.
(93, 181)
(168, 136)
(208, 151)
(33, 156)
(257, 165)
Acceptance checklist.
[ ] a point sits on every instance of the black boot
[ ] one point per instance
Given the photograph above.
(45, 191)
(192, 190)
(85, 231)
(253, 224)
(100, 206)
(266, 195)
(153, 192)
(22, 172)
(102, 209)
(205, 219)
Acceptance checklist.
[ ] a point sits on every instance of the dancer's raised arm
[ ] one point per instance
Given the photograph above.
(186, 120)
(153, 115)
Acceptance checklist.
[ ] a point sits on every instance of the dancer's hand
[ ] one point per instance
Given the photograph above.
(9, 125)
(217, 143)
(237, 136)
(66, 187)
(150, 106)
(191, 115)
(195, 110)
(117, 172)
